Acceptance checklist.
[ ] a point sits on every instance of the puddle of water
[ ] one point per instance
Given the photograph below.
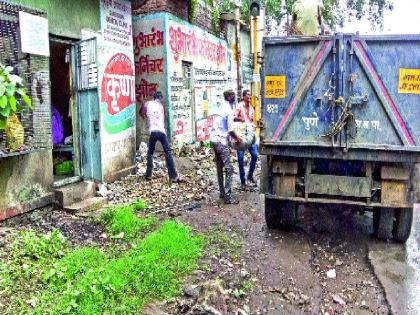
(413, 260)
(398, 268)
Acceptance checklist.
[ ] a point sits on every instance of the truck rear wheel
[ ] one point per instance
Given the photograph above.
(289, 215)
(383, 222)
(402, 224)
(272, 213)
(281, 214)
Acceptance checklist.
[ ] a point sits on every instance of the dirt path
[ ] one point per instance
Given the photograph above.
(291, 268)
(274, 272)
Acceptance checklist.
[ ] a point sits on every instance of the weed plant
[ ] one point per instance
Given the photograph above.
(87, 280)
(121, 221)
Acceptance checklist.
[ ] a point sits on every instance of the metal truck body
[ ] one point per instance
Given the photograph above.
(340, 119)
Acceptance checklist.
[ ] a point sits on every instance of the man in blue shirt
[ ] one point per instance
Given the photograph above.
(219, 137)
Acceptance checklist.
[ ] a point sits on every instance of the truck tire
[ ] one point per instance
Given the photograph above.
(289, 215)
(402, 224)
(272, 213)
(385, 223)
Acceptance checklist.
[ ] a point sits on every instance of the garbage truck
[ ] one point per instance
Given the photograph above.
(340, 126)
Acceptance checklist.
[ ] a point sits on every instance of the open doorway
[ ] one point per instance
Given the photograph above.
(65, 150)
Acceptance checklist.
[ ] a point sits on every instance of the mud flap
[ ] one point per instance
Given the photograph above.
(384, 220)
(272, 214)
(402, 224)
(264, 175)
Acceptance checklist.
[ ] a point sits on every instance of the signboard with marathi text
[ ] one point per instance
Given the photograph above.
(197, 58)
(275, 86)
(117, 91)
(149, 60)
(409, 81)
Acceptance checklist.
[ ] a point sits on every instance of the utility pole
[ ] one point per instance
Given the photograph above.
(255, 85)
(238, 48)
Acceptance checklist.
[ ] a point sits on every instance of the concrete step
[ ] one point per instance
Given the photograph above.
(73, 193)
(87, 205)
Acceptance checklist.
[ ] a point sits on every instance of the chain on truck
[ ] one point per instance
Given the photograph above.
(340, 118)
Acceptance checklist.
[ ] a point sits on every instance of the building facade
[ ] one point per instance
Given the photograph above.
(82, 85)
(190, 60)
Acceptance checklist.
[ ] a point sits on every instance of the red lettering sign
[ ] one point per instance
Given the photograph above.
(118, 84)
(188, 44)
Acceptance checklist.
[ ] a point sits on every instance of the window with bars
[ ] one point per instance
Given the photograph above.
(35, 72)
(87, 70)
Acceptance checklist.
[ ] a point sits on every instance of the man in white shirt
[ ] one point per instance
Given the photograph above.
(155, 113)
(245, 113)
(219, 137)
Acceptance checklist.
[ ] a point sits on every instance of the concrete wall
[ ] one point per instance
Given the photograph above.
(189, 102)
(24, 178)
(149, 56)
(67, 17)
(211, 73)
(117, 90)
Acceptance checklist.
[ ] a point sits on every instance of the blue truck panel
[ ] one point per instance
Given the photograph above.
(358, 93)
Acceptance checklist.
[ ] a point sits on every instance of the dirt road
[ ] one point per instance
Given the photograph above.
(291, 268)
(329, 265)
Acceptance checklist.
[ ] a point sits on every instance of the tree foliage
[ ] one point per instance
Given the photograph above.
(335, 12)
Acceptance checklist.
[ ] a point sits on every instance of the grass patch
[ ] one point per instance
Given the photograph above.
(140, 205)
(121, 221)
(29, 255)
(87, 280)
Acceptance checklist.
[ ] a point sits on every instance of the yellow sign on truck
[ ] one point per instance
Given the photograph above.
(409, 81)
(275, 86)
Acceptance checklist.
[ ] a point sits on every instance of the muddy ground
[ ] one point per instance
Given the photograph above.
(273, 272)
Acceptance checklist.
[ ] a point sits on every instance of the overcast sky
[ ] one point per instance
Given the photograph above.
(404, 19)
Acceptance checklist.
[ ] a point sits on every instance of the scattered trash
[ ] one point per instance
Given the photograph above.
(195, 167)
(331, 274)
(339, 300)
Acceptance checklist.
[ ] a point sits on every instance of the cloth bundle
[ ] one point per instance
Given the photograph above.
(246, 133)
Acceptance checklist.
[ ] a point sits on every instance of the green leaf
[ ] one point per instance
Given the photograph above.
(2, 122)
(2, 89)
(27, 100)
(12, 103)
(3, 101)
(21, 91)
(10, 89)
(5, 111)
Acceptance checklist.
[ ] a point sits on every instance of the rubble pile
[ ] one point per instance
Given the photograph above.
(195, 168)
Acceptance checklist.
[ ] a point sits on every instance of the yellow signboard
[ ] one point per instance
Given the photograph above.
(275, 86)
(234, 52)
(409, 81)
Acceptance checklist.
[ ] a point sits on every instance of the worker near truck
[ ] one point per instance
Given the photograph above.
(245, 113)
(220, 132)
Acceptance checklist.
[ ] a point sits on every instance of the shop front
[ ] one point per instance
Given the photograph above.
(80, 77)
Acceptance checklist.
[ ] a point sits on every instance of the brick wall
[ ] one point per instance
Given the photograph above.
(203, 18)
(178, 8)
